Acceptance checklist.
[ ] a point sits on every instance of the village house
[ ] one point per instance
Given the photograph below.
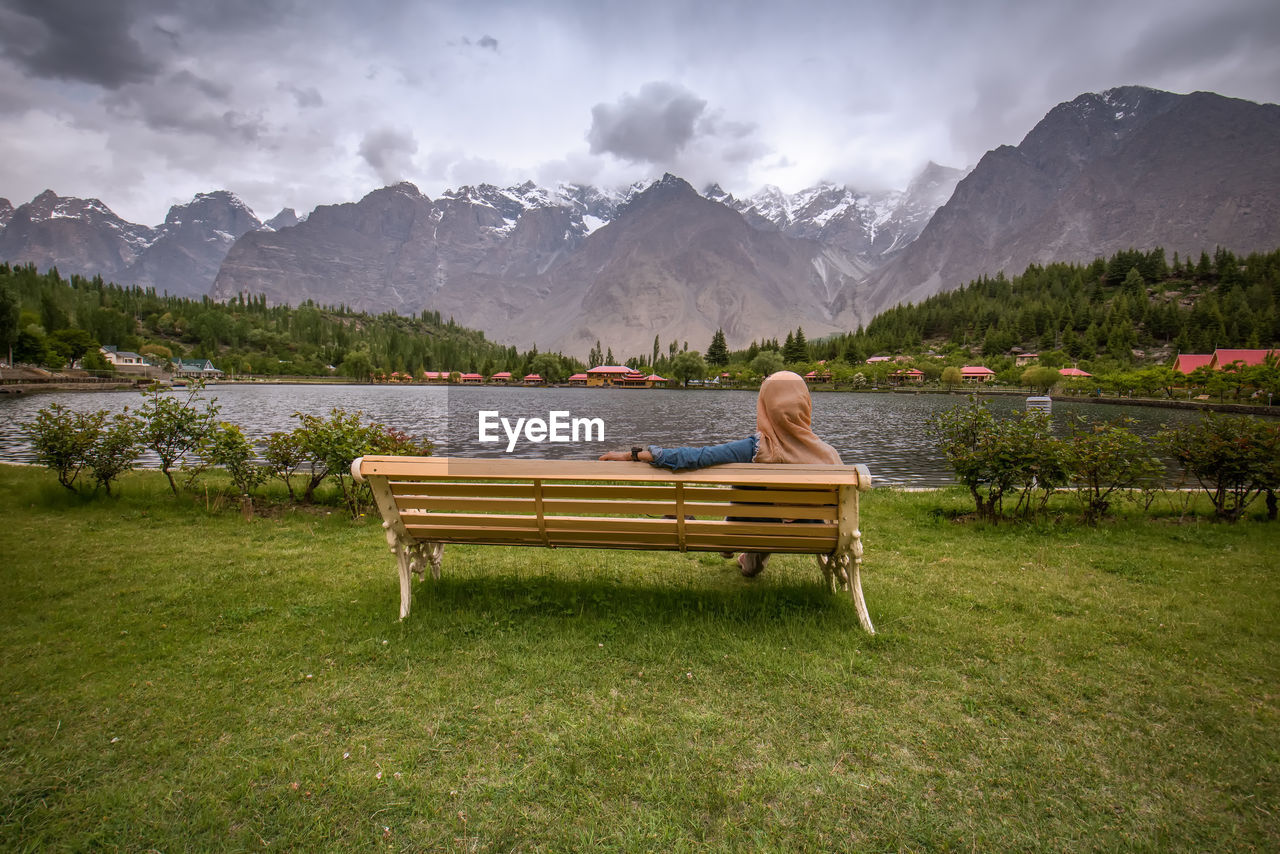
(199, 369)
(578, 379)
(976, 374)
(608, 375)
(1221, 359)
(124, 360)
(907, 376)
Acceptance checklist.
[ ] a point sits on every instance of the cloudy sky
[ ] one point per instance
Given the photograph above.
(143, 103)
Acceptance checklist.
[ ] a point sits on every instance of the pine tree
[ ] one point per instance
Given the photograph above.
(789, 348)
(718, 352)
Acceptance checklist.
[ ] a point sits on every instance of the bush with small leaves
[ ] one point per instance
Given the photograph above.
(993, 457)
(63, 439)
(1105, 458)
(226, 446)
(116, 449)
(283, 455)
(173, 425)
(333, 443)
(1233, 458)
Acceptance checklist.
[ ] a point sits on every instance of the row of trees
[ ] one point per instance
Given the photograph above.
(184, 434)
(1109, 308)
(51, 321)
(1232, 459)
(1095, 315)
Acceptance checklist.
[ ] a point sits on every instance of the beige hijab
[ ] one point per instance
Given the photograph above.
(782, 418)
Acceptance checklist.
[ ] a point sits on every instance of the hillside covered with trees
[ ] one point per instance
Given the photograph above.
(1100, 312)
(51, 321)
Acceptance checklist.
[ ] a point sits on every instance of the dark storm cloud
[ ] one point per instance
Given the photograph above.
(651, 126)
(489, 42)
(71, 40)
(389, 152)
(187, 103)
(1206, 38)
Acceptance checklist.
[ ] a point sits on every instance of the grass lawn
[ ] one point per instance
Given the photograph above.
(175, 678)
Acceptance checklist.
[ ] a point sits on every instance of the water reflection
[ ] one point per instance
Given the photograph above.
(885, 431)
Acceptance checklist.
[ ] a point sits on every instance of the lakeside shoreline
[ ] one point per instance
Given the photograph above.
(8, 388)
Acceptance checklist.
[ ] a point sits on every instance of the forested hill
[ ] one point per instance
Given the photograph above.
(1104, 310)
(51, 320)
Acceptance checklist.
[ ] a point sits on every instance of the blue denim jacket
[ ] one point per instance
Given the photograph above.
(738, 451)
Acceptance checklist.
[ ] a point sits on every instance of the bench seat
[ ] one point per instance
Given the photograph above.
(426, 502)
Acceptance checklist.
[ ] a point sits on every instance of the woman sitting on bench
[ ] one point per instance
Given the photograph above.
(783, 435)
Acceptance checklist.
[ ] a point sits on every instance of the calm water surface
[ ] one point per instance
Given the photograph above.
(882, 430)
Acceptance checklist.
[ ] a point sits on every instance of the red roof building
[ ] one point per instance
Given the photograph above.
(472, 379)
(611, 375)
(1074, 373)
(1223, 359)
(977, 374)
(907, 375)
(533, 379)
(501, 377)
(578, 379)
(1188, 362)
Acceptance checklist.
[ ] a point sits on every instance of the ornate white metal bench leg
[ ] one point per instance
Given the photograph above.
(412, 558)
(826, 564)
(853, 567)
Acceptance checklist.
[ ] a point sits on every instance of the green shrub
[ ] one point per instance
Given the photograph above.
(63, 439)
(1105, 458)
(283, 454)
(332, 444)
(173, 427)
(1232, 458)
(70, 442)
(993, 457)
(226, 446)
(116, 450)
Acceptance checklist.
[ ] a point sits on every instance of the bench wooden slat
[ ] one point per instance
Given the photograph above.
(667, 539)
(654, 492)
(567, 470)
(605, 507)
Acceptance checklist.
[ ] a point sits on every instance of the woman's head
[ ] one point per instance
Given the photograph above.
(783, 412)
(784, 398)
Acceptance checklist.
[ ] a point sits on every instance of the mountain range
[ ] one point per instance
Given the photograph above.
(563, 267)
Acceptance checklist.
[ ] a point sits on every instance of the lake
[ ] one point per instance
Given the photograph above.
(885, 431)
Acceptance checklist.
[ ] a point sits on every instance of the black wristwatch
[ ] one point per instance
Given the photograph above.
(635, 453)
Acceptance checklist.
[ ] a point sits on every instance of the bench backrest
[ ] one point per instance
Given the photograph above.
(807, 509)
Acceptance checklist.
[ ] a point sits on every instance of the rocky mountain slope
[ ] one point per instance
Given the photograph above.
(1127, 168)
(557, 269)
(83, 236)
(870, 226)
(671, 264)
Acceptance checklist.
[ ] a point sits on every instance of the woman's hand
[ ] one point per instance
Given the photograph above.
(625, 456)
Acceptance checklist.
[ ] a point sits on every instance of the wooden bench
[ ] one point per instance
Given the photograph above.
(427, 502)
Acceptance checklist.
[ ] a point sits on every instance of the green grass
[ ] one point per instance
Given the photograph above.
(175, 678)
